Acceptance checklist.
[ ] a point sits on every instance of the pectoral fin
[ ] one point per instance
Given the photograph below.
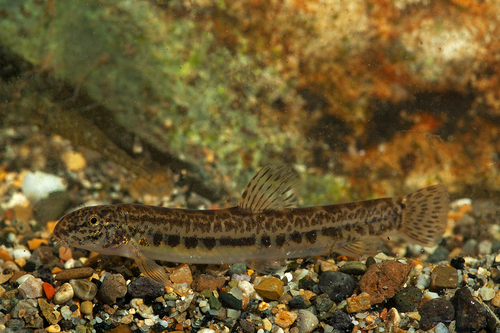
(361, 247)
(149, 267)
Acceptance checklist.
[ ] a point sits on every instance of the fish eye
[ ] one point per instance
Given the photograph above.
(94, 220)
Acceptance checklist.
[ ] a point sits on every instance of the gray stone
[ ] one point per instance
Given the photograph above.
(337, 285)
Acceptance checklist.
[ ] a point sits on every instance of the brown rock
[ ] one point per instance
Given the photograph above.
(444, 277)
(75, 273)
(209, 282)
(383, 280)
(182, 274)
(358, 303)
(270, 288)
(48, 312)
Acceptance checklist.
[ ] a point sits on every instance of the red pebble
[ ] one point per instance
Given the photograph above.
(48, 289)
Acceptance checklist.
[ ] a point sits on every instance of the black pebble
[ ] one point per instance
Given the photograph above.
(324, 303)
(407, 299)
(66, 325)
(143, 287)
(73, 307)
(299, 302)
(341, 321)
(253, 305)
(30, 266)
(458, 263)
(157, 328)
(160, 310)
(307, 284)
(470, 313)
(337, 285)
(230, 300)
(435, 311)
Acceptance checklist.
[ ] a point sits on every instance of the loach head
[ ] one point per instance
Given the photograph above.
(99, 228)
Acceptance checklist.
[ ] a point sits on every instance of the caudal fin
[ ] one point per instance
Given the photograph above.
(425, 215)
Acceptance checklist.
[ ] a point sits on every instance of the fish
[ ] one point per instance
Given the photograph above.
(263, 230)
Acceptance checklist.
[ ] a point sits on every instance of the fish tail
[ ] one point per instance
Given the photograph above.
(425, 215)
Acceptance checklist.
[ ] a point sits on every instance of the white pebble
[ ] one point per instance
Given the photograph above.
(441, 328)
(31, 287)
(21, 254)
(71, 263)
(66, 312)
(430, 295)
(206, 330)
(234, 314)
(247, 288)
(64, 294)
(328, 328)
(38, 185)
(423, 281)
(487, 293)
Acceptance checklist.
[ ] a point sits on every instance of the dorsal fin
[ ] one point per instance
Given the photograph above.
(271, 188)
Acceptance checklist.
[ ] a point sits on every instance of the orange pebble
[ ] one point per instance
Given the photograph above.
(5, 256)
(50, 226)
(48, 289)
(65, 253)
(36, 242)
(56, 270)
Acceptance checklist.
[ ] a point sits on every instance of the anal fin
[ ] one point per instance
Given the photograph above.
(267, 266)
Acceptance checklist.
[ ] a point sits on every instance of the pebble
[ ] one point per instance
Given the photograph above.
(75, 273)
(285, 319)
(383, 280)
(407, 299)
(324, 303)
(182, 274)
(214, 302)
(74, 160)
(436, 311)
(49, 290)
(15, 325)
(182, 304)
(267, 324)
(299, 302)
(48, 312)
(21, 254)
(230, 300)
(144, 310)
(353, 268)
(38, 185)
(247, 326)
(63, 294)
(86, 307)
(25, 309)
(444, 277)
(306, 321)
(145, 287)
(326, 266)
(31, 287)
(85, 290)
(487, 292)
(441, 253)
(113, 286)
(53, 328)
(238, 268)
(337, 285)
(392, 321)
(496, 300)
(270, 288)
(247, 288)
(209, 282)
(358, 303)
(470, 313)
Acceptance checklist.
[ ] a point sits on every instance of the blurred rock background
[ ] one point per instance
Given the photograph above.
(365, 98)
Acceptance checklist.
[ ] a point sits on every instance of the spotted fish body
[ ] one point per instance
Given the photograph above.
(262, 230)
